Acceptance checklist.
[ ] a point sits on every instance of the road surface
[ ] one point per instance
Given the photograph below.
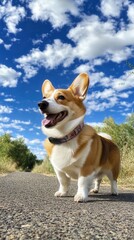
(29, 210)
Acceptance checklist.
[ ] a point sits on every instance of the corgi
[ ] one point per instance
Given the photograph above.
(75, 149)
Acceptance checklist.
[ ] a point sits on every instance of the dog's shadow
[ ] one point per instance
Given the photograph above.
(122, 197)
(107, 197)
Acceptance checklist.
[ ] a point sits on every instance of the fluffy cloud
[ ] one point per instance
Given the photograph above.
(130, 13)
(9, 125)
(94, 41)
(95, 38)
(1, 41)
(9, 100)
(121, 55)
(5, 109)
(112, 93)
(124, 82)
(84, 68)
(53, 55)
(55, 11)
(8, 76)
(7, 46)
(11, 15)
(4, 119)
(111, 7)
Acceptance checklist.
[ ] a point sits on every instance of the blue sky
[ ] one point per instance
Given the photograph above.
(57, 40)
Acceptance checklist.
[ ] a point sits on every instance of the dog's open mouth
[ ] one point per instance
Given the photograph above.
(52, 119)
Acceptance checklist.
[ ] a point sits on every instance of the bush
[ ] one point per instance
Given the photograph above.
(122, 135)
(17, 153)
(44, 167)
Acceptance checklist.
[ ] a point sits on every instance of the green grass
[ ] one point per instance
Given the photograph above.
(6, 165)
(45, 167)
(127, 167)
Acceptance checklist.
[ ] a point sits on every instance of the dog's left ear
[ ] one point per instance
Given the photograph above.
(80, 85)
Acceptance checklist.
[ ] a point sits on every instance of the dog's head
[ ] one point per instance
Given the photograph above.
(61, 106)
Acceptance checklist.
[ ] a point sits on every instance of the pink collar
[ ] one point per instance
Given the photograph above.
(68, 137)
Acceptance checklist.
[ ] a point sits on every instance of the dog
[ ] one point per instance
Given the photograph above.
(75, 149)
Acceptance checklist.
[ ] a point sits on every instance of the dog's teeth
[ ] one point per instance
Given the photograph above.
(59, 116)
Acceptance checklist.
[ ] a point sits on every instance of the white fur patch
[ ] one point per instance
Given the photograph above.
(63, 160)
(83, 188)
(105, 135)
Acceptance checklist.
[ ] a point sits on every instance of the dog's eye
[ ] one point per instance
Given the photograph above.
(44, 97)
(61, 97)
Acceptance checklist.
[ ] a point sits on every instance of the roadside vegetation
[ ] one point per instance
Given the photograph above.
(15, 155)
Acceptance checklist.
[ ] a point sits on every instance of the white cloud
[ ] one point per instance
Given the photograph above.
(125, 94)
(53, 55)
(99, 106)
(9, 100)
(124, 82)
(105, 94)
(1, 41)
(37, 42)
(111, 7)
(95, 41)
(55, 11)
(89, 66)
(8, 76)
(101, 38)
(36, 110)
(11, 15)
(7, 46)
(5, 109)
(21, 122)
(4, 119)
(130, 12)
(121, 55)
(83, 68)
(112, 93)
(13, 126)
(95, 124)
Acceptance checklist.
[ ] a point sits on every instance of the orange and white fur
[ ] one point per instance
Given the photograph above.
(87, 156)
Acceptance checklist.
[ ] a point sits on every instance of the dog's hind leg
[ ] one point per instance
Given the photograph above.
(113, 181)
(97, 183)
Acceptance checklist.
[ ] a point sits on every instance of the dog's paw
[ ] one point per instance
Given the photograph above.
(114, 193)
(60, 194)
(80, 198)
(93, 190)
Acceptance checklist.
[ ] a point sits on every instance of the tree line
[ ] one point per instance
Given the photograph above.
(17, 152)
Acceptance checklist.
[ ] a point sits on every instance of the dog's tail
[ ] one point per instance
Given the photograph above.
(105, 135)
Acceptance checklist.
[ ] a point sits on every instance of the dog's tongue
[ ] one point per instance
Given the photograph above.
(52, 119)
(49, 120)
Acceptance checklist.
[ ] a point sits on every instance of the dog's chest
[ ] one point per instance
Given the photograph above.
(63, 157)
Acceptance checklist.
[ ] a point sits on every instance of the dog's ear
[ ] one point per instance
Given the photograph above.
(80, 85)
(47, 87)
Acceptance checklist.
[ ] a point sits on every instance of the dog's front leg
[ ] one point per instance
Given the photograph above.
(83, 188)
(64, 182)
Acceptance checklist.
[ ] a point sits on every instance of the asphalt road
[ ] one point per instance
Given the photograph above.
(29, 210)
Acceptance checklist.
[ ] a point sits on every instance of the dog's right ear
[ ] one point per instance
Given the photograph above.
(47, 87)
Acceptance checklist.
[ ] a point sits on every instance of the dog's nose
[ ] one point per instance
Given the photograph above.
(43, 105)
